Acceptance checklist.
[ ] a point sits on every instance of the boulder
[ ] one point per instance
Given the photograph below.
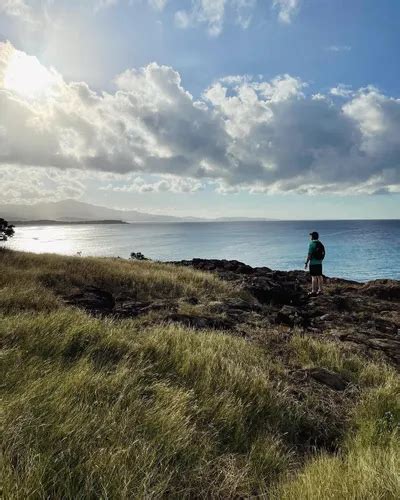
(291, 316)
(329, 378)
(268, 291)
(132, 309)
(93, 299)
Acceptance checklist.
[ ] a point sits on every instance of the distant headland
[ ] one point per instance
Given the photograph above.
(49, 222)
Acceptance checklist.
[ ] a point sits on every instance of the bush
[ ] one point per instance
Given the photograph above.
(6, 230)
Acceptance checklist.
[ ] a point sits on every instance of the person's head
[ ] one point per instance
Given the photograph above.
(314, 235)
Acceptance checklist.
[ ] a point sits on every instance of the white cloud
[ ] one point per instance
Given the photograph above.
(13, 7)
(339, 48)
(182, 19)
(243, 134)
(167, 183)
(287, 9)
(188, 13)
(212, 13)
(34, 184)
(158, 4)
(341, 90)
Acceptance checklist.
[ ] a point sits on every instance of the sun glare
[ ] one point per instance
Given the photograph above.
(27, 77)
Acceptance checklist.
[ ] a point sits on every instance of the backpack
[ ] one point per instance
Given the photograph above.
(319, 251)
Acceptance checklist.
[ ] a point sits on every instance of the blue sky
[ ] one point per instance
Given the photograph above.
(308, 128)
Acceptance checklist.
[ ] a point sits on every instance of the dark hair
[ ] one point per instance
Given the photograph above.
(314, 235)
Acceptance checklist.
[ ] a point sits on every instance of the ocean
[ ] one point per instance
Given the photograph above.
(359, 250)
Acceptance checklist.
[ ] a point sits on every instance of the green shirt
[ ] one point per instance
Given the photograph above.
(311, 249)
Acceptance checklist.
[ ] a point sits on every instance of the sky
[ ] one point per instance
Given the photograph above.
(260, 108)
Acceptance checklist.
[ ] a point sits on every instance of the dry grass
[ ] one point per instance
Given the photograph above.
(369, 464)
(146, 280)
(95, 408)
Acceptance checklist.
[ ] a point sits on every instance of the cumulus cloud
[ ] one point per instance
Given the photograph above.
(341, 90)
(242, 134)
(33, 184)
(167, 183)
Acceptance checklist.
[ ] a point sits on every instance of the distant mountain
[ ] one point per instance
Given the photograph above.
(78, 211)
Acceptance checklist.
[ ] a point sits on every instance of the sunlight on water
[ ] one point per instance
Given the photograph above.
(359, 250)
(40, 239)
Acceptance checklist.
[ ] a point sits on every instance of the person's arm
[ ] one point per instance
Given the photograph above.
(310, 250)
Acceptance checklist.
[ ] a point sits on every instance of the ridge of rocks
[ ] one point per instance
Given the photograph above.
(365, 316)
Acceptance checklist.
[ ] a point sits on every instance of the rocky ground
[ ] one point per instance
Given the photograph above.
(364, 316)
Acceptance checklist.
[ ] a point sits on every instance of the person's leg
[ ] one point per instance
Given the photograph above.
(314, 284)
(319, 283)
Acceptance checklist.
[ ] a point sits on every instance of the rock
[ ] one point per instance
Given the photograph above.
(326, 317)
(92, 299)
(326, 377)
(267, 291)
(233, 305)
(289, 315)
(222, 265)
(132, 309)
(364, 315)
(382, 289)
(191, 300)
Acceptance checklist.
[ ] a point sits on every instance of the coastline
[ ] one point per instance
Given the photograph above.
(44, 222)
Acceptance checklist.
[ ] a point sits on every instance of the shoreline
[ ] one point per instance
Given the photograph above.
(186, 262)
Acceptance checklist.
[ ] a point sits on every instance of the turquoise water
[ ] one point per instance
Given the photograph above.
(359, 250)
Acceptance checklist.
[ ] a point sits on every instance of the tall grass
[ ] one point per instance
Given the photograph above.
(369, 465)
(99, 408)
(142, 280)
(94, 408)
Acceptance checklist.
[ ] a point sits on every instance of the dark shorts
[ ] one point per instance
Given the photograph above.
(316, 269)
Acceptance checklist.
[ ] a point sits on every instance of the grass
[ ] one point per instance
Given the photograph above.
(369, 465)
(144, 280)
(100, 408)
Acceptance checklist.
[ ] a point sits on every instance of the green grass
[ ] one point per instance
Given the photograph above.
(100, 408)
(368, 466)
(89, 406)
(143, 280)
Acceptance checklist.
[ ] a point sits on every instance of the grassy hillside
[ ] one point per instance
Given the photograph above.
(97, 407)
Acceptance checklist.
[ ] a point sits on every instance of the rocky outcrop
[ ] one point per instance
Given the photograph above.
(365, 316)
(382, 289)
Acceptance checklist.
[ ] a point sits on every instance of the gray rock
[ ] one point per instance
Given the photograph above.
(326, 377)
(92, 299)
(289, 315)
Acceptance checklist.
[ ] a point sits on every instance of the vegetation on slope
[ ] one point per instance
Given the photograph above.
(105, 408)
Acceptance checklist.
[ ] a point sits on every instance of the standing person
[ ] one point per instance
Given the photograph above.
(316, 254)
